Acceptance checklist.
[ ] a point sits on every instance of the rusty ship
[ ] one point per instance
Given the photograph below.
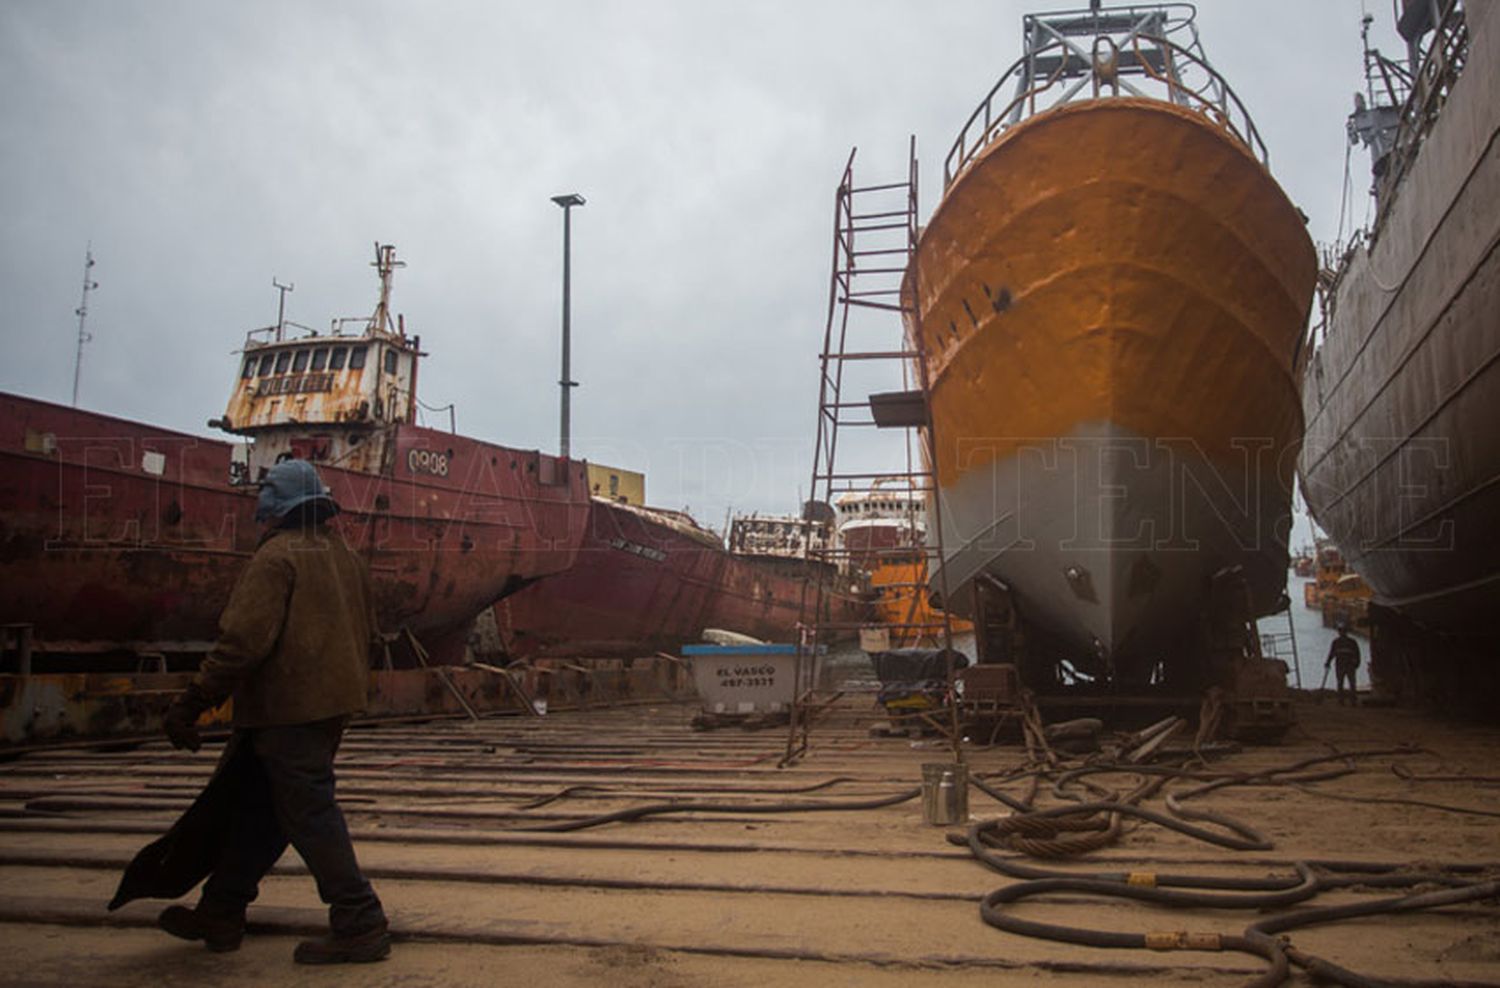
(882, 531)
(1401, 464)
(1109, 301)
(123, 540)
(650, 579)
(889, 517)
(643, 582)
(772, 562)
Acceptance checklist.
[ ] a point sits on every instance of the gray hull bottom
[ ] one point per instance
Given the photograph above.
(1109, 543)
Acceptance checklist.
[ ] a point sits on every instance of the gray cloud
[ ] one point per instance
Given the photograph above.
(204, 147)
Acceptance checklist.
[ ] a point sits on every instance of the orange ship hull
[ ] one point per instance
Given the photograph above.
(1111, 298)
(895, 580)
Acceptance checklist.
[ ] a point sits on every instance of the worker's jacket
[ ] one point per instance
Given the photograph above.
(294, 641)
(1344, 653)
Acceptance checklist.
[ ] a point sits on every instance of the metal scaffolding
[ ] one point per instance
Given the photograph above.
(874, 277)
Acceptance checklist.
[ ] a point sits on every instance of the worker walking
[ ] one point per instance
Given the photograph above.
(1343, 655)
(293, 651)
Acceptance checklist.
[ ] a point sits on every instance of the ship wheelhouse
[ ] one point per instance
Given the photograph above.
(326, 397)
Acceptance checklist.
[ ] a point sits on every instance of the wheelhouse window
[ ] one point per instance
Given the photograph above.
(390, 361)
(320, 358)
(357, 357)
(336, 358)
(249, 370)
(265, 364)
(299, 362)
(282, 359)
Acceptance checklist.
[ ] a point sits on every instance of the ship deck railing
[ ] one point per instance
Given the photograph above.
(1180, 74)
(1434, 79)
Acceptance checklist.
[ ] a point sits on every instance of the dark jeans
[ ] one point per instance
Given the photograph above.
(1344, 671)
(286, 796)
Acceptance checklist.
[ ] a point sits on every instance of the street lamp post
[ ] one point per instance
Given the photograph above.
(567, 202)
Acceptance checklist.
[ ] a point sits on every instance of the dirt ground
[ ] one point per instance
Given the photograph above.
(756, 893)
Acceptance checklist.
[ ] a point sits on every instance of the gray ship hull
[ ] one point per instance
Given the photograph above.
(1401, 463)
(1112, 542)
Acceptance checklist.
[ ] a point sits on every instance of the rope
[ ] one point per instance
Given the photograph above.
(1032, 731)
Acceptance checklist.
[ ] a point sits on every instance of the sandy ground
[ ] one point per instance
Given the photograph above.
(841, 897)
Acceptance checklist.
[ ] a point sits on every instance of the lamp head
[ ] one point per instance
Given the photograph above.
(571, 199)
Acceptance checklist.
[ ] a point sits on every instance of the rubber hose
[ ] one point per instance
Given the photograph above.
(782, 791)
(1407, 903)
(1248, 839)
(1327, 970)
(661, 809)
(1265, 948)
(1016, 868)
(1000, 797)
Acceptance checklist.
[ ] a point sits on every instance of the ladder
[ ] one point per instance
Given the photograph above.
(871, 302)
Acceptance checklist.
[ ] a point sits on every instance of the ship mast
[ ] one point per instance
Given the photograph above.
(89, 284)
(385, 264)
(281, 306)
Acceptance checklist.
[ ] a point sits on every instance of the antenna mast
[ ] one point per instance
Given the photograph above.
(281, 306)
(89, 284)
(385, 264)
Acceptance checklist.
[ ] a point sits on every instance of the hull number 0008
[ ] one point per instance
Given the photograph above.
(427, 461)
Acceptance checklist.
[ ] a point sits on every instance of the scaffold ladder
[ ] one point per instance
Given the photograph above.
(874, 277)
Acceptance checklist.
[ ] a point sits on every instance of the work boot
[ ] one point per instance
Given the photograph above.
(362, 948)
(220, 932)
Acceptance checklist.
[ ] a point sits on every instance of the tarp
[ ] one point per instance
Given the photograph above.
(910, 666)
(173, 864)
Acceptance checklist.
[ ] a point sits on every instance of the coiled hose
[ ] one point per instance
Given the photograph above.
(1039, 832)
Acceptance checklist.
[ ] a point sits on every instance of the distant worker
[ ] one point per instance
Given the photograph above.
(1343, 655)
(293, 651)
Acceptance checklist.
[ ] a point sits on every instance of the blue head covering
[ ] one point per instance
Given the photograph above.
(289, 484)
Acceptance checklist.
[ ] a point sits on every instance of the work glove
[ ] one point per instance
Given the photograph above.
(181, 719)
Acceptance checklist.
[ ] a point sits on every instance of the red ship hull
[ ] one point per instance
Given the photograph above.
(118, 531)
(642, 583)
(867, 544)
(759, 596)
(762, 596)
(648, 581)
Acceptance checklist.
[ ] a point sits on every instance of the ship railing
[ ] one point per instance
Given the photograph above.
(260, 337)
(1430, 87)
(266, 335)
(1100, 73)
(367, 325)
(451, 408)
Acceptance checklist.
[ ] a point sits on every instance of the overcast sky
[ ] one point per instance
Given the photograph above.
(204, 147)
